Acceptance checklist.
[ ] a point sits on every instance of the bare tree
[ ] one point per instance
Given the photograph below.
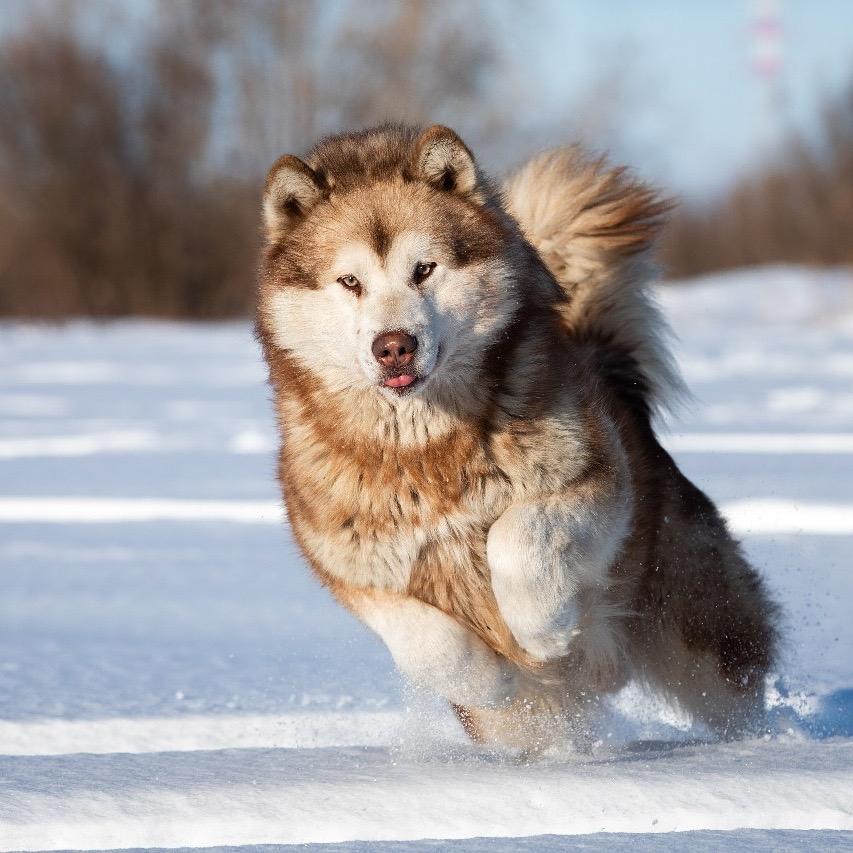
(129, 178)
(798, 208)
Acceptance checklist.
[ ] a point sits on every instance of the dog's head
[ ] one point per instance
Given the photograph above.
(386, 266)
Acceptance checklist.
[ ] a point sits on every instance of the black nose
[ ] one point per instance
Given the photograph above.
(394, 349)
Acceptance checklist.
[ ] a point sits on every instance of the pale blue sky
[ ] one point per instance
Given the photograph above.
(696, 113)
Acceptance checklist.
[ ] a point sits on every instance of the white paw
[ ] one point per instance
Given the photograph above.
(543, 627)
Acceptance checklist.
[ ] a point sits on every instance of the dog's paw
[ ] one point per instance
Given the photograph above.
(545, 647)
(552, 643)
(543, 622)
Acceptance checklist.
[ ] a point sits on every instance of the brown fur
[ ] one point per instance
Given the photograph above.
(559, 406)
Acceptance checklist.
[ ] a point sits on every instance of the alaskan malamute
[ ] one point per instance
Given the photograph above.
(465, 380)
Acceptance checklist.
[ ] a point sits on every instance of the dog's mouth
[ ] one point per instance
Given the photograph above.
(403, 380)
(400, 382)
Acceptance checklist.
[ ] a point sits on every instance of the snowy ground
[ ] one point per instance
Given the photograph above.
(170, 676)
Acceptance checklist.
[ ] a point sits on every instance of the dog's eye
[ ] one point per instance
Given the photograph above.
(350, 282)
(423, 271)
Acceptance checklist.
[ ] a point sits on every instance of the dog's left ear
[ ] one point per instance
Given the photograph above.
(442, 159)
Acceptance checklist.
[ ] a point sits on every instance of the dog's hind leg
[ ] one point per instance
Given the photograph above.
(730, 707)
(710, 625)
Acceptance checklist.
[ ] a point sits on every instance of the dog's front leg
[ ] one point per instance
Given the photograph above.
(549, 557)
(436, 652)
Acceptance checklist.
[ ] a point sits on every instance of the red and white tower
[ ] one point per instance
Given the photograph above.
(767, 49)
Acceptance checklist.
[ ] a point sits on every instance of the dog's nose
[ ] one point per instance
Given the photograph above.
(394, 349)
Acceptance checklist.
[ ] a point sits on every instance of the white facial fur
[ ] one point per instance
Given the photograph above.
(331, 329)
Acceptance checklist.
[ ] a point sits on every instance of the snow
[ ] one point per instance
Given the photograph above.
(751, 516)
(171, 676)
(761, 442)
(111, 510)
(334, 794)
(782, 516)
(191, 732)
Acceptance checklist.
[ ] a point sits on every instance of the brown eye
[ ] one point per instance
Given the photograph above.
(423, 271)
(350, 282)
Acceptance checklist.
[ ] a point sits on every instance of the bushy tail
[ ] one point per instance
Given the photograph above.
(593, 226)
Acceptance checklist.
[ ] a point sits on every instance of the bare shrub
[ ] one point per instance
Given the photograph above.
(797, 209)
(129, 182)
(102, 179)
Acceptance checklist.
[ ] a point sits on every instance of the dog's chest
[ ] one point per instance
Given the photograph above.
(374, 515)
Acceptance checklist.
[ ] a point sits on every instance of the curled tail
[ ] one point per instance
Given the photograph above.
(593, 226)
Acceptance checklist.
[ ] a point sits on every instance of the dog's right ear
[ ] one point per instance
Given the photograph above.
(291, 189)
(443, 160)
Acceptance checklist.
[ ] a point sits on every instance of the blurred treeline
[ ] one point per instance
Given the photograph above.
(133, 151)
(797, 208)
(134, 138)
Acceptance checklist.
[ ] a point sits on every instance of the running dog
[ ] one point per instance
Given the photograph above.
(465, 380)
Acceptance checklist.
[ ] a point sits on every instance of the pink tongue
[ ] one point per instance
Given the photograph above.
(399, 381)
